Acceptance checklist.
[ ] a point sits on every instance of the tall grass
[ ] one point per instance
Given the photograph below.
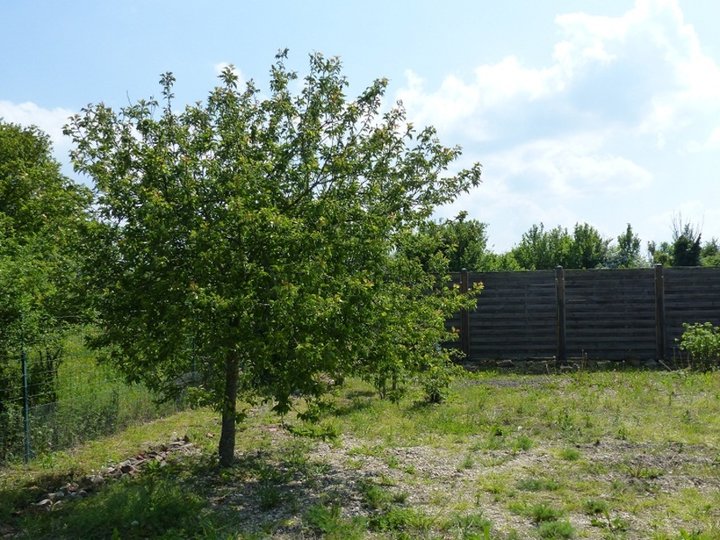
(88, 400)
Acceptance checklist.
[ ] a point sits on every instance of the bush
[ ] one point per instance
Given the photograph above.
(702, 343)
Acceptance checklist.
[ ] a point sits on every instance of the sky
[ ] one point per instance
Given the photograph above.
(605, 112)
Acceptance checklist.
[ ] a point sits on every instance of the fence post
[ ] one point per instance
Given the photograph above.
(659, 312)
(560, 294)
(26, 401)
(465, 316)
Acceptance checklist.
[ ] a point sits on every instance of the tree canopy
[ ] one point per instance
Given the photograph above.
(42, 214)
(684, 250)
(253, 242)
(627, 252)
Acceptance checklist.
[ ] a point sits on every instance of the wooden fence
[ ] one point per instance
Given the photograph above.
(634, 314)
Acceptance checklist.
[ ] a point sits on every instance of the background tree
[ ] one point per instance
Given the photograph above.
(588, 248)
(710, 254)
(268, 233)
(42, 214)
(685, 248)
(626, 254)
(543, 250)
(539, 249)
(661, 253)
(462, 241)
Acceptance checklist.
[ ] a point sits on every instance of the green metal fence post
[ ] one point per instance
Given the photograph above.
(26, 401)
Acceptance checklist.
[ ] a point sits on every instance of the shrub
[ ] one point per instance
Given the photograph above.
(702, 342)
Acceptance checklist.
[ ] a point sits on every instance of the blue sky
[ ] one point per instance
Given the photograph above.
(604, 112)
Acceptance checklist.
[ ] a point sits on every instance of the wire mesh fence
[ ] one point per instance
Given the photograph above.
(53, 400)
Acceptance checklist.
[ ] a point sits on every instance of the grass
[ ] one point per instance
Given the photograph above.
(90, 401)
(601, 455)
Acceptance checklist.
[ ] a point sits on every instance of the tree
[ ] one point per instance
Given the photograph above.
(627, 252)
(265, 235)
(588, 248)
(686, 246)
(710, 255)
(685, 249)
(41, 215)
(661, 253)
(542, 250)
(462, 241)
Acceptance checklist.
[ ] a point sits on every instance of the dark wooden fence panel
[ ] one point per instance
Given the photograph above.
(610, 314)
(515, 317)
(692, 295)
(607, 314)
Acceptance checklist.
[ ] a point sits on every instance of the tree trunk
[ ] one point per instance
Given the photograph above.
(226, 449)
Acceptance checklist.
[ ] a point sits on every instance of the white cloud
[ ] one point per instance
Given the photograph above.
(572, 167)
(623, 101)
(493, 86)
(51, 121)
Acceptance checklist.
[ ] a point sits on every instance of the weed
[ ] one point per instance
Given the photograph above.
(402, 520)
(538, 484)
(522, 444)
(569, 454)
(467, 463)
(377, 497)
(325, 430)
(595, 506)
(556, 530)
(642, 472)
(134, 508)
(702, 342)
(469, 526)
(269, 495)
(541, 512)
(327, 521)
(695, 535)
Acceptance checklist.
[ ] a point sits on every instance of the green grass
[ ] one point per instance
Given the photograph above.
(606, 455)
(90, 400)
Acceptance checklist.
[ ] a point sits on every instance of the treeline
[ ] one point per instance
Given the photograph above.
(464, 243)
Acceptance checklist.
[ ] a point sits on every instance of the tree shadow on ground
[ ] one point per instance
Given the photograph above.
(266, 492)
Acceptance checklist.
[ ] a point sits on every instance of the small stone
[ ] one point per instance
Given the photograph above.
(55, 496)
(45, 503)
(127, 468)
(71, 487)
(97, 479)
(82, 493)
(6, 531)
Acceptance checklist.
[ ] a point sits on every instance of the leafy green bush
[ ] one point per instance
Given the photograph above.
(702, 342)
